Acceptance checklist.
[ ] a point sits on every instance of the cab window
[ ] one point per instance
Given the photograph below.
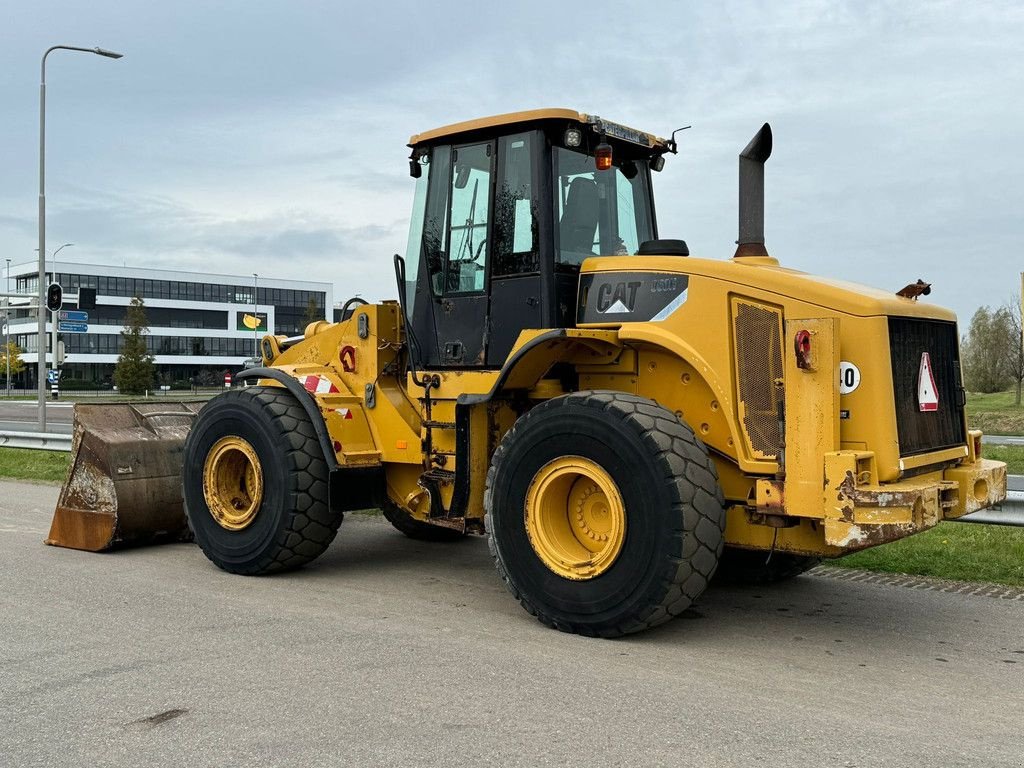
(465, 265)
(599, 213)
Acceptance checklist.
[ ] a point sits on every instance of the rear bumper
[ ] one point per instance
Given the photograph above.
(980, 484)
(859, 516)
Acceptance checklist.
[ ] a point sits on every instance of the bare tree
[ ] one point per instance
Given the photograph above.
(1014, 356)
(986, 350)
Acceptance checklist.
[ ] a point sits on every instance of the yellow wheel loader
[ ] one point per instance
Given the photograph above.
(620, 419)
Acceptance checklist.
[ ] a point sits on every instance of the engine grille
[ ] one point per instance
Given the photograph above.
(758, 331)
(921, 432)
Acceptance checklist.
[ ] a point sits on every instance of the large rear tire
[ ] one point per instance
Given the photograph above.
(604, 513)
(417, 529)
(255, 483)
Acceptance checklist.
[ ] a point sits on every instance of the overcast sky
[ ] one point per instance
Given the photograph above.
(270, 136)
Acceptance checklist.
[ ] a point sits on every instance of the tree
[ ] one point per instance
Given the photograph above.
(12, 351)
(133, 373)
(988, 349)
(1015, 347)
(313, 313)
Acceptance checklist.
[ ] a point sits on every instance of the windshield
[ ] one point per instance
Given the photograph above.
(600, 213)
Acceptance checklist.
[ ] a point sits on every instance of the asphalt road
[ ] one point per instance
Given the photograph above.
(392, 652)
(22, 416)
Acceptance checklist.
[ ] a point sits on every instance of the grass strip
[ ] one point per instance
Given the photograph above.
(958, 551)
(29, 464)
(995, 413)
(1013, 455)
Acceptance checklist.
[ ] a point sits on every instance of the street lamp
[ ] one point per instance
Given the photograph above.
(41, 326)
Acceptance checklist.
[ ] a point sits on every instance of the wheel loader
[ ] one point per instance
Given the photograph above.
(620, 419)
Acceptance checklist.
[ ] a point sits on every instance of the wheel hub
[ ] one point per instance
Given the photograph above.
(575, 517)
(233, 483)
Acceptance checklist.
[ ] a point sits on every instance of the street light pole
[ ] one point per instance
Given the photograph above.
(41, 314)
(7, 326)
(256, 320)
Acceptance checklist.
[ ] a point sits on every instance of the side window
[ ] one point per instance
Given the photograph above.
(469, 215)
(629, 241)
(435, 224)
(515, 209)
(579, 207)
(412, 250)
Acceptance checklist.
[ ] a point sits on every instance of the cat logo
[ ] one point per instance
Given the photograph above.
(619, 300)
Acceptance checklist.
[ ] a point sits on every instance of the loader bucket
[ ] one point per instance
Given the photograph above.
(124, 484)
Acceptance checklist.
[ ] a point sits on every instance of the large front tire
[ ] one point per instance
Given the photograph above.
(604, 513)
(255, 483)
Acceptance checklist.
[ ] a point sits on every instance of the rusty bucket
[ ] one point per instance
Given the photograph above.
(124, 484)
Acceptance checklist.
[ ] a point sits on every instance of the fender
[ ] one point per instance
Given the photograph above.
(533, 358)
(308, 403)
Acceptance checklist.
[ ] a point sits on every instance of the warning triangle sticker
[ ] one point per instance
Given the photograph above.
(927, 394)
(618, 308)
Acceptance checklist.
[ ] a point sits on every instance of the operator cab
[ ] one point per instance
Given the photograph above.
(506, 210)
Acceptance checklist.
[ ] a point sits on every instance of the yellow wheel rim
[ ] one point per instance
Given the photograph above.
(233, 483)
(575, 517)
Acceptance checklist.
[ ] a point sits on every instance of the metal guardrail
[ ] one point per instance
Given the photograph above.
(45, 441)
(1010, 512)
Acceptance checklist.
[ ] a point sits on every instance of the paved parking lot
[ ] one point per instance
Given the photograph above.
(393, 652)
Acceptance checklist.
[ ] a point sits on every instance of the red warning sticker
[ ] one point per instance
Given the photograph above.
(927, 394)
(320, 385)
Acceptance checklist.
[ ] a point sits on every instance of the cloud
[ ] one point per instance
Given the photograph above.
(271, 137)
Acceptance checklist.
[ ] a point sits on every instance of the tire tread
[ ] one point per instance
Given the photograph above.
(672, 443)
(311, 524)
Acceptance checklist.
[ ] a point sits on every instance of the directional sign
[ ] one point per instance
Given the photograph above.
(73, 315)
(52, 376)
(67, 327)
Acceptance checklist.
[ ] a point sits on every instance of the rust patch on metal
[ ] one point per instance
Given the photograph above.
(124, 483)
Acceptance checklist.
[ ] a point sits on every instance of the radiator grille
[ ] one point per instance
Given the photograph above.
(758, 332)
(921, 432)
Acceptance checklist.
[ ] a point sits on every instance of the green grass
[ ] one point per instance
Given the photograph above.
(26, 464)
(1013, 455)
(958, 551)
(995, 413)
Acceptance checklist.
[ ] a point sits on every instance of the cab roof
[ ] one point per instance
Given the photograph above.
(614, 130)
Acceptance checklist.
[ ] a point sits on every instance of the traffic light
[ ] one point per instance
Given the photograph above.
(53, 297)
(87, 298)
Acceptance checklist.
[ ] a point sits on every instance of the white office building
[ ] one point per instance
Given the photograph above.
(198, 323)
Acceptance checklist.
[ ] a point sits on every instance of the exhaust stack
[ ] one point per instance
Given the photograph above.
(752, 159)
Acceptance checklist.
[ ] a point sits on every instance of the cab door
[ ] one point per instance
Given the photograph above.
(459, 277)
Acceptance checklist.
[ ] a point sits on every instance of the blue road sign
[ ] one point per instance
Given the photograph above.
(52, 376)
(66, 327)
(73, 315)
